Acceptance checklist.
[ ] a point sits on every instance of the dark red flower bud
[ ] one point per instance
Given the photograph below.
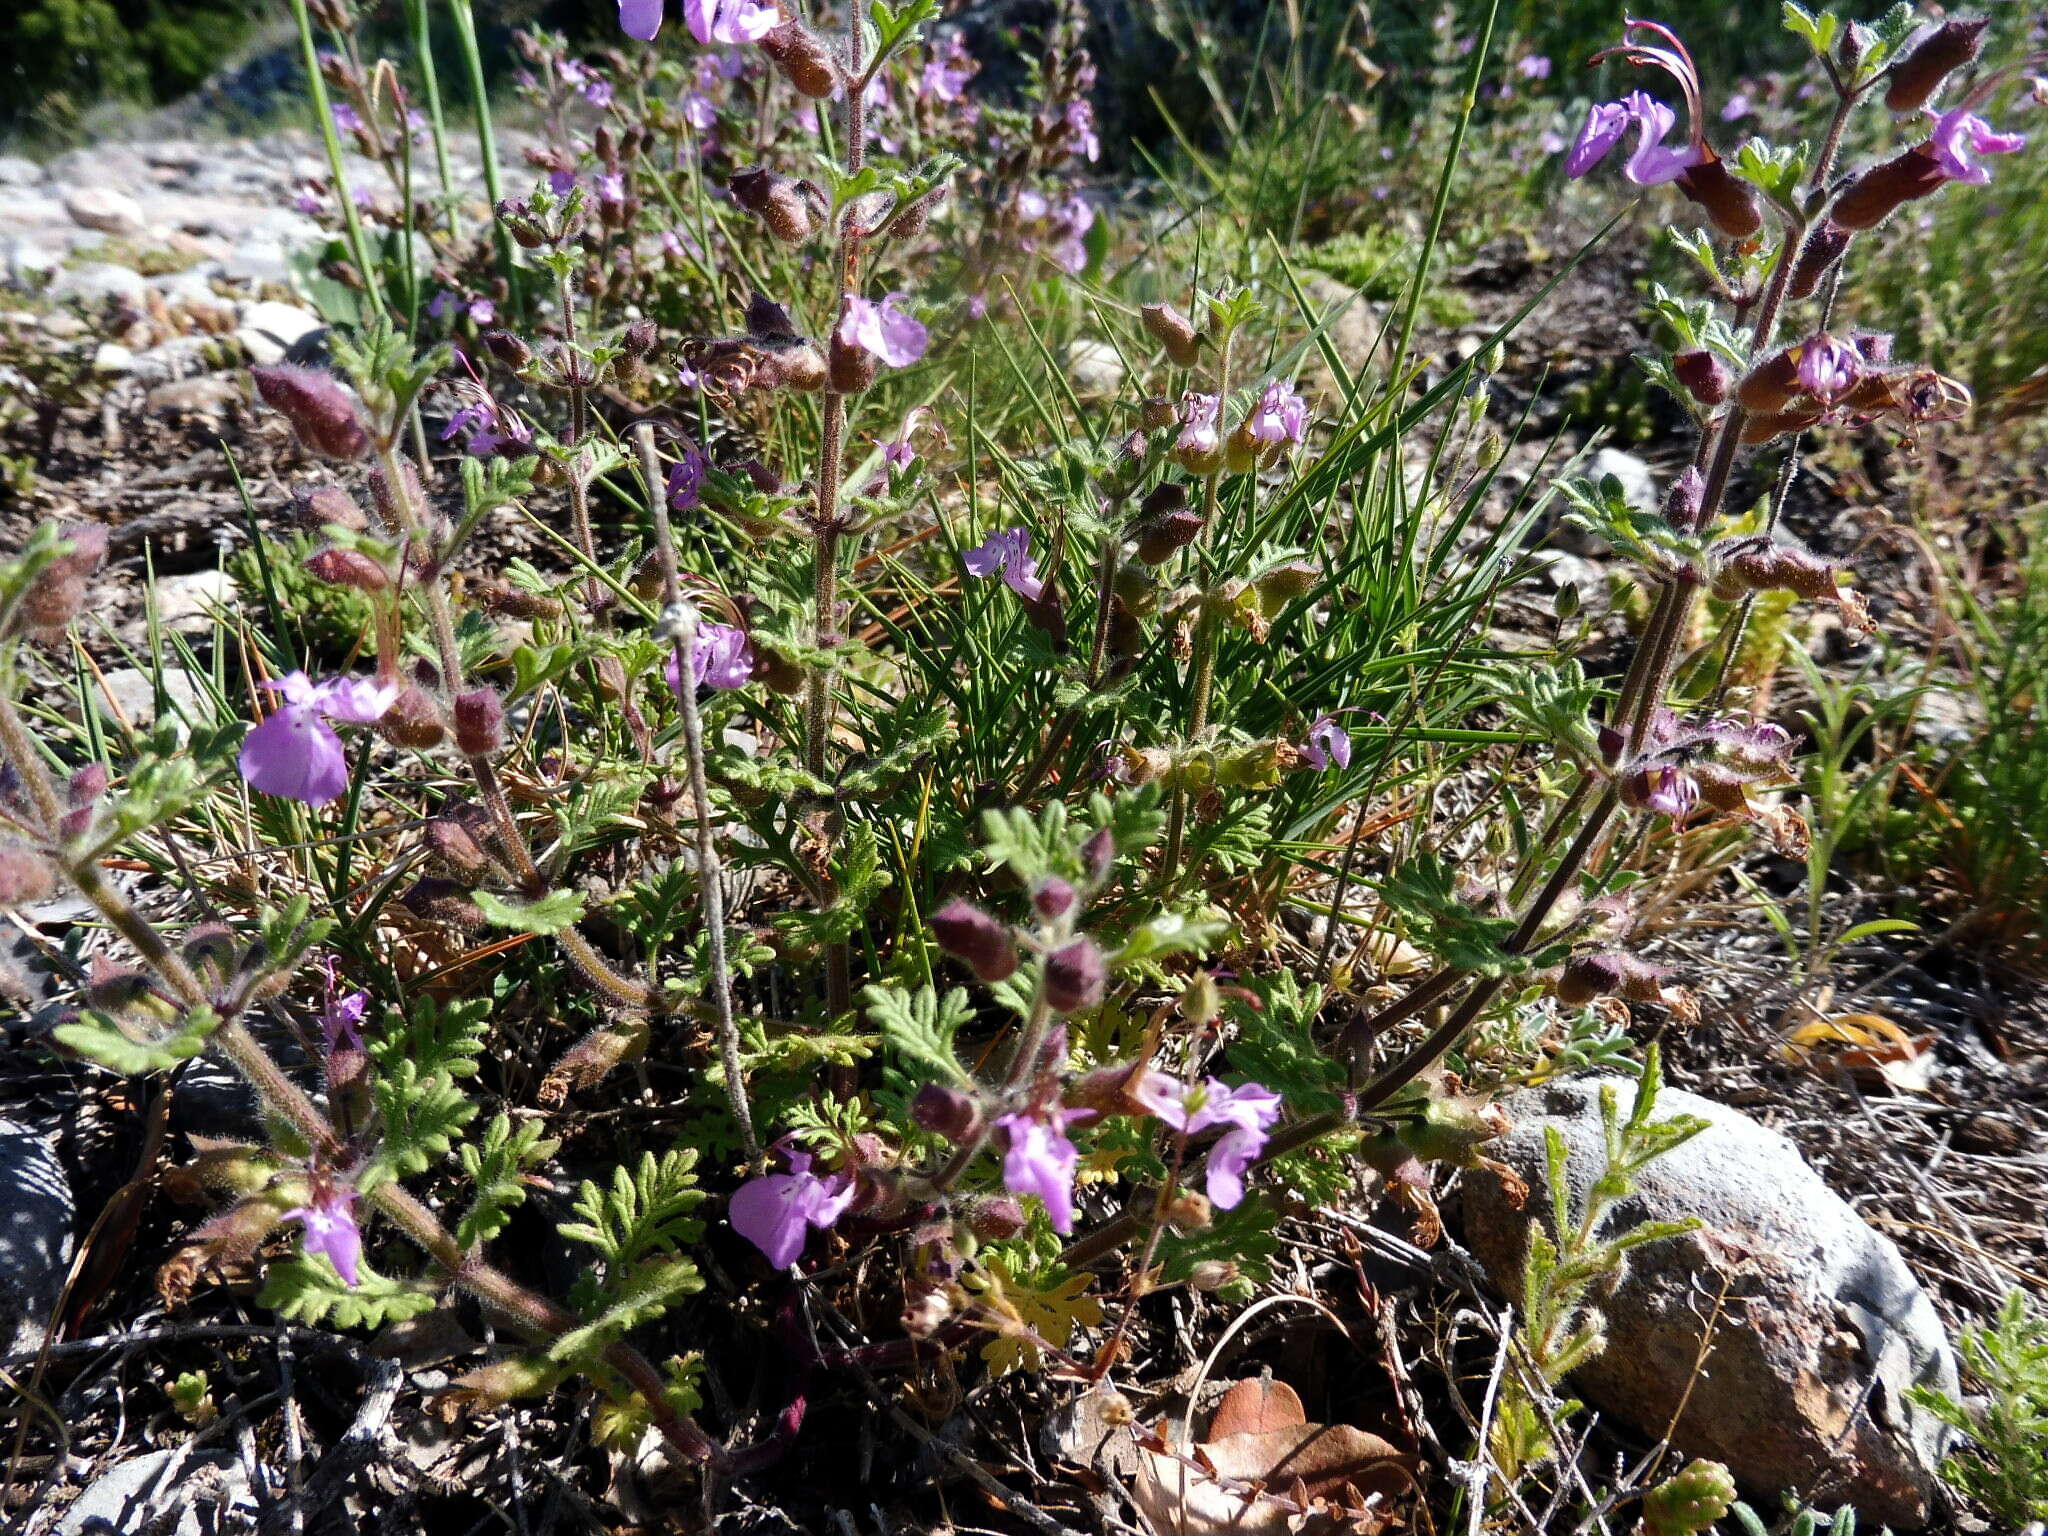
(413, 720)
(1161, 538)
(443, 901)
(321, 411)
(1174, 332)
(508, 349)
(86, 786)
(803, 58)
(1053, 898)
(1880, 191)
(459, 842)
(1948, 48)
(1823, 248)
(967, 933)
(518, 218)
(1098, 854)
(348, 568)
(852, 369)
(479, 722)
(995, 1219)
(1075, 976)
(58, 593)
(1609, 972)
(1167, 496)
(1772, 384)
(210, 945)
(328, 504)
(1731, 203)
(779, 201)
(947, 1112)
(114, 987)
(1704, 375)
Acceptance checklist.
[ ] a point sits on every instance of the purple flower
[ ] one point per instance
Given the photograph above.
(699, 111)
(346, 119)
(1669, 792)
(886, 329)
(561, 183)
(483, 430)
(597, 91)
(1079, 122)
(482, 311)
(309, 202)
(722, 658)
(1737, 107)
(295, 753)
(440, 305)
(1960, 135)
(947, 71)
(1040, 1160)
(1198, 430)
(1327, 742)
(341, 1021)
(686, 479)
(1654, 163)
(1280, 416)
(1248, 1113)
(1009, 552)
(330, 1228)
(775, 1211)
(611, 187)
(640, 18)
(1535, 66)
(1828, 368)
(1605, 123)
(731, 22)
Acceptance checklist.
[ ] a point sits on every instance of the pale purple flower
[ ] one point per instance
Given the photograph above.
(597, 91)
(731, 22)
(1605, 123)
(686, 478)
(482, 311)
(1533, 66)
(947, 71)
(1551, 142)
(673, 248)
(886, 329)
(442, 302)
(309, 202)
(1032, 205)
(1828, 368)
(1327, 742)
(330, 1229)
(611, 187)
(1737, 107)
(1039, 1159)
(1198, 429)
(1279, 416)
(1080, 125)
(484, 431)
(1010, 553)
(1654, 162)
(1669, 792)
(712, 68)
(640, 18)
(699, 111)
(776, 1211)
(295, 753)
(1959, 136)
(341, 1021)
(1248, 1115)
(722, 658)
(561, 183)
(346, 118)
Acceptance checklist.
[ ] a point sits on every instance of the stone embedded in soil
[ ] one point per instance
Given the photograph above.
(1094, 369)
(180, 1491)
(133, 692)
(1822, 1328)
(36, 1212)
(269, 330)
(1638, 480)
(106, 210)
(94, 282)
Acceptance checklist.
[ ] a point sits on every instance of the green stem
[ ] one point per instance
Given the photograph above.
(487, 140)
(423, 48)
(323, 113)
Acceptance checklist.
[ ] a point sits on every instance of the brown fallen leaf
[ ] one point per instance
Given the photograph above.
(1870, 1047)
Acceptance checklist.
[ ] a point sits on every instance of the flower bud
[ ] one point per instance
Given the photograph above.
(327, 505)
(1586, 977)
(479, 722)
(340, 567)
(518, 218)
(1731, 203)
(1211, 1274)
(969, 934)
(1161, 538)
(1174, 332)
(777, 200)
(1075, 976)
(1682, 503)
(851, 369)
(641, 338)
(413, 720)
(1283, 584)
(444, 902)
(1948, 48)
(995, 1219)
(1823, 248)
(1762, 564)
(1880, 191)
(209, 946)
(1772, 384)
(512, 601)
(457, 842)
(25, 876)
(321, 411)
(946, 1112)
(1189, 1211)
(803, 58)
(1704, 375)
(1053, 898)
(58, 593)
(1156, 413)
(1098, 854)
(508, 349)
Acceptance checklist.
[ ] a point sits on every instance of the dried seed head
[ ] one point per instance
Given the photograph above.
(1156, 413)
(969, 934)
(321, 411)
(479, 722)
(1948, 48)
(1174, 332)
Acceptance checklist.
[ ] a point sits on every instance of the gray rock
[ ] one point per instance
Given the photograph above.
(208, 396)
(35, 1234)
(63, 325)
(133, 692)
(188, 603)
(1095, 369)
(101, 165)
(269, 330)
(174, 1492)
(1352, 325)
(1821, 1327)
(29, 263)
(112, 357)
(180, 358)
(15, 171)
(104, 209)
(94, 282)
(1638, 481)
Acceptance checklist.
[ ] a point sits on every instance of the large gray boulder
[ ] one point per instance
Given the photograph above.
(1820, 1328)
(36, 1213)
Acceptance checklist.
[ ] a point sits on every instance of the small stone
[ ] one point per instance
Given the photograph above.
(269, 330)
(35, 1237)
(104, 209)
(133, 692)
(15, 171)
(1822, 1330)
(63, 325)
(94, 282)
(183, 356)
(1095, 370)
(1638, 481)
(188, 603)
(209, 396)
(112, 357)
(29, 264)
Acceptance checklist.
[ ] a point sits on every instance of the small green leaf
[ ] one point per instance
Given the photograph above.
(550, 915)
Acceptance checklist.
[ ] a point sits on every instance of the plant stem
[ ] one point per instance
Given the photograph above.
(709, 889)
(486, 135)
(323, 113)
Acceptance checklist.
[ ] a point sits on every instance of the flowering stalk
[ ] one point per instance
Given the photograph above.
(709, 889)
(323, 113)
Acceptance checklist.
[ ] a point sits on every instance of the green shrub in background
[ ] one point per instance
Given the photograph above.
(65, 56)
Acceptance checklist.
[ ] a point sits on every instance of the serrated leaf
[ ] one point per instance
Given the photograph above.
(920, 1025)
(308, 1290)
(550, 915)
(99, 1039)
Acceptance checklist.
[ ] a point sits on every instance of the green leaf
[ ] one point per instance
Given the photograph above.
(919, 1026)
(550, 915)
(496, 1165)
(645, 1210)
(1170, 933)
(1819, 31)
(307, 1290)
(98, 1038)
